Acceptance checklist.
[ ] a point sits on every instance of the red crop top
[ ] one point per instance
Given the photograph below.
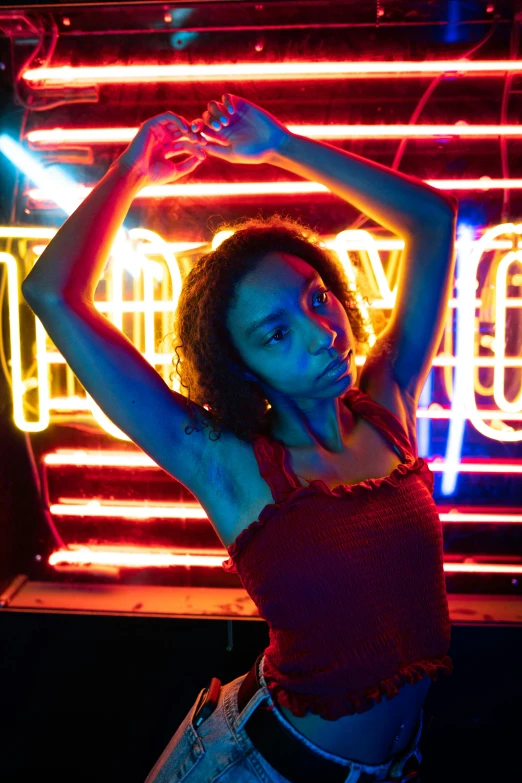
(350, 580)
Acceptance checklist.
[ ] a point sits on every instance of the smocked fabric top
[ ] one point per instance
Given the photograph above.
(350, 580)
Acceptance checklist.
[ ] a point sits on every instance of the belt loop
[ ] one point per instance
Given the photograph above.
(252, 705)
(251, 680)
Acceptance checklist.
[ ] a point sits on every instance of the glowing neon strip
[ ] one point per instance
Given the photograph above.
(77, 507)
(65, 137)
(130, 74)
(85, 556)
(94, 508)
(472, 568)
(39, 197)
(202, 189)
(27, 232)
(99, 459)
(138, 459)
(459, 518)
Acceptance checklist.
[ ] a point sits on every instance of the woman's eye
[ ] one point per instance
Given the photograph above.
(326, 291)
(279, 331)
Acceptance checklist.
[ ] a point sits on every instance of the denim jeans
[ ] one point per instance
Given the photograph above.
(221, 750)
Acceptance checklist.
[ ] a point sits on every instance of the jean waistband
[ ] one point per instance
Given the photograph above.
(294, 756)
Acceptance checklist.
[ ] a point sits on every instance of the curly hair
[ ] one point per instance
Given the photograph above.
(208, 356)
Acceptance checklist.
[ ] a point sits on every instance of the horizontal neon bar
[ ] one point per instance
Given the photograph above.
(67, 136)
(93, 508)
(212, 189)
(457, 518)
(138, 459)
(481, 568)
(139, 559)
(127, 74)
(99, 458)
(27, 232)
(113, 510)
(84, 556)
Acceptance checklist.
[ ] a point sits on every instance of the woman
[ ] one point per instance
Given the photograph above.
(344, 556)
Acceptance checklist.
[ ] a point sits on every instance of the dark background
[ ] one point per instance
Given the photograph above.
(96, 698)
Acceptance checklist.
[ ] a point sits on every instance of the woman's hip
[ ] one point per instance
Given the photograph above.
(235, 733)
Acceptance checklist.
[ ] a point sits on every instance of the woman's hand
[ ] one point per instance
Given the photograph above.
(239, 131)
(150, 154)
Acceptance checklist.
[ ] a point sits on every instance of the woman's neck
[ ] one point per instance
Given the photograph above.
(299, 438)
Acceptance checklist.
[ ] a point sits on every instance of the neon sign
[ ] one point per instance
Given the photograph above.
(146, 265)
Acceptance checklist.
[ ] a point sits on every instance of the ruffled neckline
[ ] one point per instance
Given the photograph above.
(318, 486)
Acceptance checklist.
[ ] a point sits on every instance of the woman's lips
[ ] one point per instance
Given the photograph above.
(331, 367)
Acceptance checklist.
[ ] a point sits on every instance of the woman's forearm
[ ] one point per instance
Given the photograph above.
(74, 260)
(397, 201)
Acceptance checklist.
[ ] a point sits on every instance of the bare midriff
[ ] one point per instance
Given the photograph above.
(371, 737)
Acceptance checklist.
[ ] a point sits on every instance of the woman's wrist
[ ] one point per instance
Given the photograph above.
(278, 152)
(129, 171)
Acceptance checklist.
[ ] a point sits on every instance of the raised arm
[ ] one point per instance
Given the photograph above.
(423, 216)
(60, 290)
(73, 262)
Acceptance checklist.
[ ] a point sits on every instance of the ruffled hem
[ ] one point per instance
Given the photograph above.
(317, 486)
(349, 703)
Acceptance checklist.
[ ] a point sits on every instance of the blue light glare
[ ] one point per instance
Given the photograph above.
(458, 419)
(182, 39)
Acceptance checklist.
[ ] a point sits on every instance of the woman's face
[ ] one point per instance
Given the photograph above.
(287, 353)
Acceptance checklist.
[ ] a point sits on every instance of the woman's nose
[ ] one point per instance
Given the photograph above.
(322, 336)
